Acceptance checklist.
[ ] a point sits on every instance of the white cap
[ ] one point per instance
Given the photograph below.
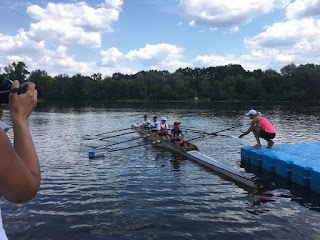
(163, 118)
(252, 112)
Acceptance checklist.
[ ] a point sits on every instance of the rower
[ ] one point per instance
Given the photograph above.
(146, 122)
(178, 137)
(163, 132)
(155, 125)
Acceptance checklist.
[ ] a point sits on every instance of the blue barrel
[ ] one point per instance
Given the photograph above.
(315, 180)
(246, 153)
(91, 155)
(301, 174)
(284, 168)
(256, 157)
(269, 163)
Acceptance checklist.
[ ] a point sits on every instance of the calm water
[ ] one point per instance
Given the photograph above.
(150, 193)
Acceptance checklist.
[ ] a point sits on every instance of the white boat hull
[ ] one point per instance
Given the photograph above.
(206, 161)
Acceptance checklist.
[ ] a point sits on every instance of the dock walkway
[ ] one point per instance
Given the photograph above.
(298, 163)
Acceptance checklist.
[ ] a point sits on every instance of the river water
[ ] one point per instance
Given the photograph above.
(150, 193)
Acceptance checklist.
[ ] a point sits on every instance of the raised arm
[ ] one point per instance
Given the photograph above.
(19, 165)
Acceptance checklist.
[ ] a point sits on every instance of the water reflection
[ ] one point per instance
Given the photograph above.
(270, 185)
(150, 193)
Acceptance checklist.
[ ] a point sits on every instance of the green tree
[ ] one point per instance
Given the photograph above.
(17, 71)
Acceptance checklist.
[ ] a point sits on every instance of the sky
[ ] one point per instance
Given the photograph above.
(128, 36)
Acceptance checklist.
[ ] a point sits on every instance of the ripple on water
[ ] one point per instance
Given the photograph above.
(150, 193)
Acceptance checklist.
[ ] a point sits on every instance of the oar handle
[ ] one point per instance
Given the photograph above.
(212, 134)
(93, 154)
(132, 139)
(119, 130)
(116, 135)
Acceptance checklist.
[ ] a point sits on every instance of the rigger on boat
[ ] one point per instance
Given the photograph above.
(192, 152)
(176, 138)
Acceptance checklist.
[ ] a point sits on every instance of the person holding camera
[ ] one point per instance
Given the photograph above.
(19, 164)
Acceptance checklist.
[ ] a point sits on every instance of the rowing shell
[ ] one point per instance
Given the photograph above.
(197, 156)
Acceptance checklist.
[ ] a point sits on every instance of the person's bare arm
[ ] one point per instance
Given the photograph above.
(19, 165)
(254, 122)
(183, 136)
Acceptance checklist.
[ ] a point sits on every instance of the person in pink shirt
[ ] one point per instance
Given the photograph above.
(261, 128)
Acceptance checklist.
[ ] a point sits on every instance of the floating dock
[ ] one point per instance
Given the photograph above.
(298, 163)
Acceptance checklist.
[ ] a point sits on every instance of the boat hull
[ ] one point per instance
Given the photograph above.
(202, 159)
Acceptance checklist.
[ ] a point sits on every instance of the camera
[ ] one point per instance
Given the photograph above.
(5, 89)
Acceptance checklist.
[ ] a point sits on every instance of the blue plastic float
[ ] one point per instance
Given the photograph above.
(298, 163)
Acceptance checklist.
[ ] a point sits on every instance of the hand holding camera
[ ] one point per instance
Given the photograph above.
(22, 100)
(6, 89)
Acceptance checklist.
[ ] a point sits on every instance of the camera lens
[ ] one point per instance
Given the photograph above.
(5, 86)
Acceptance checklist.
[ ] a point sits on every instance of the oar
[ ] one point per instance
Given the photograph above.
(216, 134)
(117, 135)
(101, 154)
(230, 136)
(118, 130)
(92, 154)
(212, 134)
(132, 139)
(193, 130)
(107, 137)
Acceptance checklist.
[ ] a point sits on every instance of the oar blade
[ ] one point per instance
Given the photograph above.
(93, 155)
(118, 130)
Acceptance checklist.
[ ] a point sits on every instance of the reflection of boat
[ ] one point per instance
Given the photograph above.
(200, 158)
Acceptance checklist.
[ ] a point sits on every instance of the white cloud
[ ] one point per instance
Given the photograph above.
(20, 43)
(18, 58)
(294, 34)
(59, 62)
(248, 62)
(303, 8)
(70, 24)
(111, 56)
(290, 41)
(226, 13)
(58, 28)
(73, 23)
(114, 3)
(234, 29)
(161, 56)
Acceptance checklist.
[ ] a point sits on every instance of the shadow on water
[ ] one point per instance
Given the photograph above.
(270, 186)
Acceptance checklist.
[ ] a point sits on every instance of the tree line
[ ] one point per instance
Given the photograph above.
(220, 83)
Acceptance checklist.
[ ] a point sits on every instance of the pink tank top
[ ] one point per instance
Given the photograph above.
(266, 125)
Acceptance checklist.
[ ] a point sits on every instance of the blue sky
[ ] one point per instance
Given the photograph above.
(127, 36)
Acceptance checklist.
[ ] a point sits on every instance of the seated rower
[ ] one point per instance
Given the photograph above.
(154, 125)
(163, 132)
(178, 137)
(146, 122)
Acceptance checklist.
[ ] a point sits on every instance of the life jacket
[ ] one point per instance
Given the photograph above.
(164, 127)
(176, 133)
